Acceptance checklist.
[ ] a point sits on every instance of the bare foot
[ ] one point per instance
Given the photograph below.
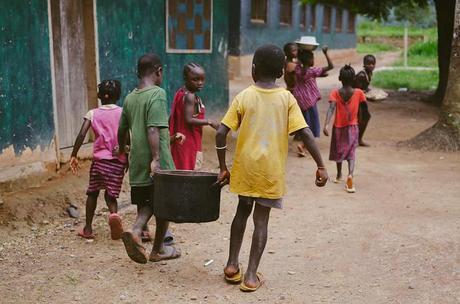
(364, 144)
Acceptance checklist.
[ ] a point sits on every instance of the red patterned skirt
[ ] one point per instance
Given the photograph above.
(106, 174)
(343, 143)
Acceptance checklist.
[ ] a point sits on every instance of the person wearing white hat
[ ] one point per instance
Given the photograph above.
(305, 88)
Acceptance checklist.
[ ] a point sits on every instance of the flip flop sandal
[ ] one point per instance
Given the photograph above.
(135, 250)
(169, 238)
(82, 234)
(173, 254)
(350, 188)
(235, 278)
(337, 180)
(116, 227)
(245, 288)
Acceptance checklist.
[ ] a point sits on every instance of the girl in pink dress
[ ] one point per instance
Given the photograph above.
(188, 116)
(109, 163)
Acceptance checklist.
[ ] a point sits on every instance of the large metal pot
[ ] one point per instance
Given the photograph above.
(186, 196)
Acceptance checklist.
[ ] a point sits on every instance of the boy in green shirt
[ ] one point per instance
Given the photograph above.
(145, 115)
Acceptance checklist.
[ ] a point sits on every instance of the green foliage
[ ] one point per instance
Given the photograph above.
(428, 49)
(377, 29)
(413, 80)
(374, 48)
(375, 9)
(408, 11)
(422, 54)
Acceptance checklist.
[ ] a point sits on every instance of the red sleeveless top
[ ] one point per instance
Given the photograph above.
(184, 155)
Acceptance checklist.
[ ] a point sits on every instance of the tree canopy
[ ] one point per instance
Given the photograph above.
(374, 9)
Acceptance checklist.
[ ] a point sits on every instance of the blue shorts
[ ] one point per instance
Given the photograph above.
(312, 119)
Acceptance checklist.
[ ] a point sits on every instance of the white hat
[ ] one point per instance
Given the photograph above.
(307, 41)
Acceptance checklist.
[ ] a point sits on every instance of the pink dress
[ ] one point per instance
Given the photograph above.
(107, 171)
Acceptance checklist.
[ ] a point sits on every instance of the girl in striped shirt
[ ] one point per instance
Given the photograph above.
(306, 89)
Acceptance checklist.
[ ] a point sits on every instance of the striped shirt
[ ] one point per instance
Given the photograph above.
(306, 90)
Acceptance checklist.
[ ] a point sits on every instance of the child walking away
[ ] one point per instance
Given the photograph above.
(345, 102)
(145, 117)
(306, 89)
(188, 118)
(264, 115)
(107, 168)
(290, 51)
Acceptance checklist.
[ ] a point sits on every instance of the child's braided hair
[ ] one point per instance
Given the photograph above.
(109, 90)
(188, 67)
(347, 75)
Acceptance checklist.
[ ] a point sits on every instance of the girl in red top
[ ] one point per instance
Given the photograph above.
(345, 133)
(188, 117)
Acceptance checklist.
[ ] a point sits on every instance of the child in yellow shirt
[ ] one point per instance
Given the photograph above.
(265, 115)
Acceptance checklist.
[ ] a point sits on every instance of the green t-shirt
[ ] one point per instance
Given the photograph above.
(143, 109)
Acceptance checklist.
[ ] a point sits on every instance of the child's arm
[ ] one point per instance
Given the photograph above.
(153, 136)
(77, 145)
(330, 112)
(189, 110)
(221, 147)
(289, 75)
(309, 141)
(329, 66)
(123, 131)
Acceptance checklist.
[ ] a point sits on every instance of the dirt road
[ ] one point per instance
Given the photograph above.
(397, 240)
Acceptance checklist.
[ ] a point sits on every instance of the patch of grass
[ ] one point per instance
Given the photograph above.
(374, 48)
(413, 80)
(419, 61)
(374, 28)
(422, 54)
(428, 49)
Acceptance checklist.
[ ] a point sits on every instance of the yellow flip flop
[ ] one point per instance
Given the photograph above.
(245, 288)
(237, 277)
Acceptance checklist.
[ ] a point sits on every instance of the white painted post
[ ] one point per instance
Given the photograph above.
(406, 42)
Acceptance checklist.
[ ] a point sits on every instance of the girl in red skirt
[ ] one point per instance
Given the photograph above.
(109, 163)
(188, 118)
(345, 133)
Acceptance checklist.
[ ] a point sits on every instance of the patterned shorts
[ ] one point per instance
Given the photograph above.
(106, 174)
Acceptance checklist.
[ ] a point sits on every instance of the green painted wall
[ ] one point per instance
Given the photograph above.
(26, 103)
(127, 29)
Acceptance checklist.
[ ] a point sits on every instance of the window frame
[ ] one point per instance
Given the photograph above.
(327, 23)
(190, 51)
(282, 4)
(338, 21)
(351, 24)
(303, 18)
(258, 20)
(312, 25)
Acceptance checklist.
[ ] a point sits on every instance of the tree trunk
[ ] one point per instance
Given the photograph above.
(450, 112)
(445, 19)
(445, 134)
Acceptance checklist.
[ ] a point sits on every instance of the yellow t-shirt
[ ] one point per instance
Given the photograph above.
(264, 119)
